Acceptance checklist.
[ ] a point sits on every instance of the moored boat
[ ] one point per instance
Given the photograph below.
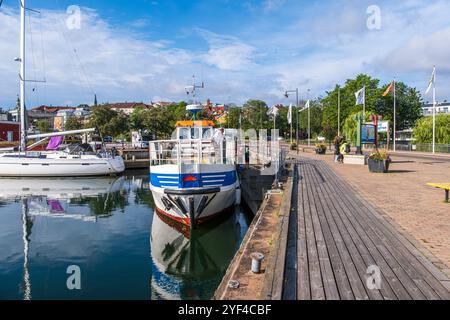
(193, 177)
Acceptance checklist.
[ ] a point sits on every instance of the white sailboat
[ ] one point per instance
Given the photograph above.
(53, 163)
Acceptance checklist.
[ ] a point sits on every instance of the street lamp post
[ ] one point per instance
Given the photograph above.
(286, 94)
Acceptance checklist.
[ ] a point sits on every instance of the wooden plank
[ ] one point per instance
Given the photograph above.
(303, 284)
(317, 289)
(281, 244)
(290, 273)
(329, 282)
(342, 283)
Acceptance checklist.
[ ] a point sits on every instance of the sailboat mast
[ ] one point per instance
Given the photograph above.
(22, 77)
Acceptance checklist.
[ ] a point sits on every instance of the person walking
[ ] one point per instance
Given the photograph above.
(337, 147)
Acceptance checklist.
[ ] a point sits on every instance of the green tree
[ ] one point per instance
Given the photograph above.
(233, 117)
(423, 131)
(136, 120)
(348, 101)
(44, 126)
(108, 121)
(408, 106)
(160, 122)
(73, 123)
(255, 115)
(349, 129)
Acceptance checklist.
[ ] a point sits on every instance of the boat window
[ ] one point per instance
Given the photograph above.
(195, 133)
(184, 133)
(80, 149)
(207, 133)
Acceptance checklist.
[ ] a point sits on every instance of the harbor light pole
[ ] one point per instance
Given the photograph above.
(286, 94)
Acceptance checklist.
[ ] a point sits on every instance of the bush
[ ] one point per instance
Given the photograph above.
(321, 146)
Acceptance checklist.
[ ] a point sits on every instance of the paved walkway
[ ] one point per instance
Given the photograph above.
(335, 235)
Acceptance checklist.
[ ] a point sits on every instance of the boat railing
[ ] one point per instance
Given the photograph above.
(192, 151)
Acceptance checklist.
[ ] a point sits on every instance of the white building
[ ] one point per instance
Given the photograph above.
(441, 108)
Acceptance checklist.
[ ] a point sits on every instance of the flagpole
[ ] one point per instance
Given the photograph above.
(434, 112)
(395, 115)
(364, 105)
(339, 111)
(309, 121)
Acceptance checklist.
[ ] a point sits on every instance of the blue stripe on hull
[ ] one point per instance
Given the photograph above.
(194, 180)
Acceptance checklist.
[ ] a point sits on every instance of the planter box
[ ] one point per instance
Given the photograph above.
(354, 159)
(378, 166)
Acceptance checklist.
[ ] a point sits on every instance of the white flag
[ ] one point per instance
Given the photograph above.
(433, 78)
(361, 96)
(273, 111)
(289, 115)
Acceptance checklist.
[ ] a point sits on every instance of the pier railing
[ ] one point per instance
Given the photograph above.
(196, 151)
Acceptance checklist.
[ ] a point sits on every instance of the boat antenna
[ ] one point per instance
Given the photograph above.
(192, 90)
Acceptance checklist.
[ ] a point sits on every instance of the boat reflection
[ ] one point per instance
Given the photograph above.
(190, 266)
(52, 198)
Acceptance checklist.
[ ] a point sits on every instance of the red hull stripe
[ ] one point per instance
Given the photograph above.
(187, 222)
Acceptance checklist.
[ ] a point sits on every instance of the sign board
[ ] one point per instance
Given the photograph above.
(383, 126)
(367, 133)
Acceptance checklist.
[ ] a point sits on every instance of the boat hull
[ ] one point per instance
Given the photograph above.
(193, 198)
(50, 167)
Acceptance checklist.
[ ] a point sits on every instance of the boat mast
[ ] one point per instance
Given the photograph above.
(22, 77)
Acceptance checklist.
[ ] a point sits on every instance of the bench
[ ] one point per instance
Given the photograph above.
(443, 186)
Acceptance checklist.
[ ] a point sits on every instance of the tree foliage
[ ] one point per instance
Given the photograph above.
(108, 121)
(44, 126)
(423, 131)
(349, 129)
(73, 123)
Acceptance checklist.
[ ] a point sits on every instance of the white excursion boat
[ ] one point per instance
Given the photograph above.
(75, 161)
(193, 177)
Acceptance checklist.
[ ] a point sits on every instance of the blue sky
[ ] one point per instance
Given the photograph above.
(148, 50)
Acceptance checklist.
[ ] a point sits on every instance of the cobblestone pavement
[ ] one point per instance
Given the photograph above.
(406, 200)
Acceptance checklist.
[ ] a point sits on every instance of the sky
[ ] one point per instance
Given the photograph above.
(148, 50)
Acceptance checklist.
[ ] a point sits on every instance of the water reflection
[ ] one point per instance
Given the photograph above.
(191, 266)
(107, 227)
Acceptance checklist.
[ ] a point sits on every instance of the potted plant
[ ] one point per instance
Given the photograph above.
(379, 162)
(321, 148)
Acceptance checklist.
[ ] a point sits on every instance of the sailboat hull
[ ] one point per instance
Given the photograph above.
(54, 167)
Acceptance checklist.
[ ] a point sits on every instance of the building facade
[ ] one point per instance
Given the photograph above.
(441, 108)
(9, 131)
(126, 107)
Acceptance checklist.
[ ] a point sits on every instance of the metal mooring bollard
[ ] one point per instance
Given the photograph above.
(257, 257)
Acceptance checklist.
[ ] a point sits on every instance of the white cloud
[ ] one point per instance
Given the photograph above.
(226, 52)
(117, 65)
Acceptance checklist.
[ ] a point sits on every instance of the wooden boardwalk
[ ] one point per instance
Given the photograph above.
(335, 240)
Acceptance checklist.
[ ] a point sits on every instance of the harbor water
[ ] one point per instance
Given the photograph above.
(100, 238)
